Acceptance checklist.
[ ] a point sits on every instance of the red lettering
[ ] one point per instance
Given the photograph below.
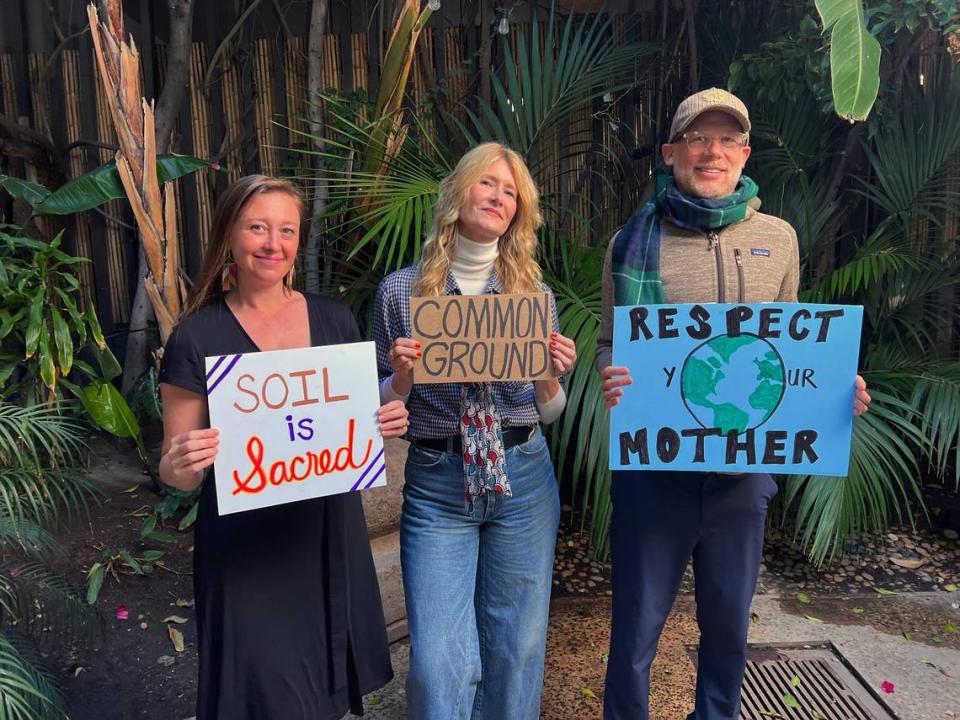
(255, 455)
(314, 462)
(299, 459)
(278, 473)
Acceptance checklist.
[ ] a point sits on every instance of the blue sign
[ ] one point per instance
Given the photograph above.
(736, 388)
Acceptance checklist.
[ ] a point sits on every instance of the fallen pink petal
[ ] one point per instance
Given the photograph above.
(887, 687)
(122, 613)
(14, 572)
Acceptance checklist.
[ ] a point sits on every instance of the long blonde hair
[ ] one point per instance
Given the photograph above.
(228, 209)
(516, 262)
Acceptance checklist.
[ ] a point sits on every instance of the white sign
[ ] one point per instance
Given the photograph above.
(295, 424)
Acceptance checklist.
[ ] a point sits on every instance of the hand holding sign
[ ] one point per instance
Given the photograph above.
(614, 380)
(403, 354)
(393, 419)
(861, 399)
(193, 451)
(563, 353)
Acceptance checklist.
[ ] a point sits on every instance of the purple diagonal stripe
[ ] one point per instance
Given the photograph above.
(379, 473)
(236, 359)
(367, 469)
(216, 365)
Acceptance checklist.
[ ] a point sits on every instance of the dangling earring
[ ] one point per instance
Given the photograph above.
(288, 279)
(228, 276)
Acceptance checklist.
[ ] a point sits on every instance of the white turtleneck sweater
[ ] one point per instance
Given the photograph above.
(472, 267)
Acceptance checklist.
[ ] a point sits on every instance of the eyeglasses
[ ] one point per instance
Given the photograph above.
(701, 141)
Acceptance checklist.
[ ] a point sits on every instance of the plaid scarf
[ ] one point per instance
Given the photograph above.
(636, 250)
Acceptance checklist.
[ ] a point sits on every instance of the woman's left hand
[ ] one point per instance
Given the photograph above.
(861, 398)
(563, 351)
(394, 419)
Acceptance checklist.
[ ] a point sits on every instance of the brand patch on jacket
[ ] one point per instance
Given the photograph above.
(760, 251)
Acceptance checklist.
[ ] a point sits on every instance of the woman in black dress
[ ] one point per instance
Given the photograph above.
(289, 617)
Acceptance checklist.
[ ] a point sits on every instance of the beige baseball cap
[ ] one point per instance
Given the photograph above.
(704, 101)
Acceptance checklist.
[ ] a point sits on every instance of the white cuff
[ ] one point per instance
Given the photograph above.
(551, 409)
(388, 394)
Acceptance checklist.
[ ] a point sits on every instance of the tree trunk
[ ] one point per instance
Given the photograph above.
(176, 73)
(139, 339)
(315, 237)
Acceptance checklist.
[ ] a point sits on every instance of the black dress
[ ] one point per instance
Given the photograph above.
(289, 618)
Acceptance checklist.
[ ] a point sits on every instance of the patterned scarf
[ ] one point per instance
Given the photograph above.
(481, 435)
(636, 250)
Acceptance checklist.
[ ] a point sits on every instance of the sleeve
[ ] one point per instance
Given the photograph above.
(386, 329)
(183, 361)
(790, 286)
(552, 408)
(604, 355)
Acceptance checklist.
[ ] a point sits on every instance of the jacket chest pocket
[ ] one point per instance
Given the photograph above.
(758, 274)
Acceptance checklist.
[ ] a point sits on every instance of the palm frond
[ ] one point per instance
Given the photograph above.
(27, 690)
(42, 495)
(579, 439)
(931, 388)
(910, 156)
(882, 480)
(544, 82)
(28, 537)
(44, 605)
(870, 264)
(28, 434)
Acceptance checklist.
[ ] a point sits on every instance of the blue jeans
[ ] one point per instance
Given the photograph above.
(477, 585)
(660, 520)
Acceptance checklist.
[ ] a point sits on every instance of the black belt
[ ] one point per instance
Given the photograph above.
(511, 436)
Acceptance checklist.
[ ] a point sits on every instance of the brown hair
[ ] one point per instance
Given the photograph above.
(229, 206)
(516, 263)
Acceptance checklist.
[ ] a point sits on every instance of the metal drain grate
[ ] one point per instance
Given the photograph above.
(828, 688)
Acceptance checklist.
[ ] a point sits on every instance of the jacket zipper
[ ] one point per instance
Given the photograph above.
(715, 246)
(740, 292)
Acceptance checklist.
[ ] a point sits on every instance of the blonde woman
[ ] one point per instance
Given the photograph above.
(481, 508)
(288, 610)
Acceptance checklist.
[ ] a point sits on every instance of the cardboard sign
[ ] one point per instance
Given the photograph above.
(295, 424)
(482, 338)
(736, 388)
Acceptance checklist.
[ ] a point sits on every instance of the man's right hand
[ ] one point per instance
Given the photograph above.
(614, 379)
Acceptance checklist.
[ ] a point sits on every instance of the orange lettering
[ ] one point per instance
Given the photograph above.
(286, 391)
(307, 400)
(326, 389)
(256, 398)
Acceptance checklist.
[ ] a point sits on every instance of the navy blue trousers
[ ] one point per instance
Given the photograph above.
(660, 520)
